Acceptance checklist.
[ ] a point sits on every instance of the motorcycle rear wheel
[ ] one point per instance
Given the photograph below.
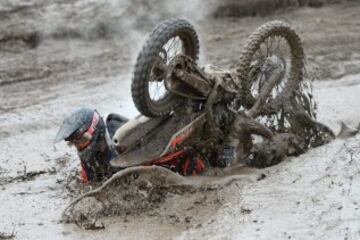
(156, 52)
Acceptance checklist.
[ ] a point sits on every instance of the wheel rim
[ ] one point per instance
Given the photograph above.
(272, 46)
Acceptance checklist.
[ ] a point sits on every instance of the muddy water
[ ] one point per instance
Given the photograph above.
(313, 196)
(32, 208)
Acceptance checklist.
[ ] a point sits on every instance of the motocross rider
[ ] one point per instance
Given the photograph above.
(91, 135)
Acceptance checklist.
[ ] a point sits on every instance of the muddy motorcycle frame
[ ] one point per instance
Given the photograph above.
(206, 109)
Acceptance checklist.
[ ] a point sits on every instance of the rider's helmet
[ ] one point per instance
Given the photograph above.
(86, 130)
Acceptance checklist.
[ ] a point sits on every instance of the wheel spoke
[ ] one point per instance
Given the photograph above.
(273, 46)
(157, 89)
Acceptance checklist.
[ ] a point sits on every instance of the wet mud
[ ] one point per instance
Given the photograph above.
(48, 68)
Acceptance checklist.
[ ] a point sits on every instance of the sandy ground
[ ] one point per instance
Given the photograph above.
(314, 196)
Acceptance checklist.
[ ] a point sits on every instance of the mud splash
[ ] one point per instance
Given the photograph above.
(144, 190)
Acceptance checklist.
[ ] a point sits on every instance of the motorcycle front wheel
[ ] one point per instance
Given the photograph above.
(273, 39)
(169, 38)
(277, 40)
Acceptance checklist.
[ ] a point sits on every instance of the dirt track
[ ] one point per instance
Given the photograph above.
(68, 69)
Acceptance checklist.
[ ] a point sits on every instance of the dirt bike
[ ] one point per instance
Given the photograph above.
(211, 110)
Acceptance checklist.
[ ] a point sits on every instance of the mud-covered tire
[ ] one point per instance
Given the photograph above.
(145, 60)
(271, 29)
